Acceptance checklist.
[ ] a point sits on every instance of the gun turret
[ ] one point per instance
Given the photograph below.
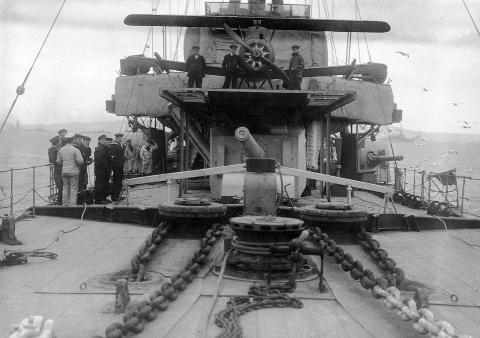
(251, 147)
(374, 159)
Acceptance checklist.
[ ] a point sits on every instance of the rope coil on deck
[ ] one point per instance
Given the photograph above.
(423, 319)
(135, 318)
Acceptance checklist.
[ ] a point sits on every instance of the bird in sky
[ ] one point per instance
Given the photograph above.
(466, 126)
(464, 122)
(403, 53)
(456, 104)
(425, 89)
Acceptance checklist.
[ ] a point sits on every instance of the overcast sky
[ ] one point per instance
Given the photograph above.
(76, 71)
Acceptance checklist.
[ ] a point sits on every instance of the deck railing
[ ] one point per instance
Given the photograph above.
(28, 188)
(245, 9)
(430, 189)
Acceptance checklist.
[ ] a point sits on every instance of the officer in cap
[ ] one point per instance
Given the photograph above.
(295, 68)
(61, 136)
(195, 68)
(118, 151)
(71, 159)
(102, 169)
(82, 179)
(231, 66)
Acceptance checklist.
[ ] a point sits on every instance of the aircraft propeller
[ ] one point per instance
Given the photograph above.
(256, 54)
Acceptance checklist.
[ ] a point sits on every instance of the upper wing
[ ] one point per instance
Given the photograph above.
(267, 22)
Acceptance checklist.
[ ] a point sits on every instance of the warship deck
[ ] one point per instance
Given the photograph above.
(74, 289)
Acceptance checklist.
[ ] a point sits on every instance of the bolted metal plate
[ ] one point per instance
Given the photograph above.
(333, 206)
(266, 223)
(174, 210)
(307, 272)
(192, 201)
(312, 213)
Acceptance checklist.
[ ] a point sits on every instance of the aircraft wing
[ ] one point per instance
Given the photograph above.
(131, 64)
(326, 71)
(267, 22)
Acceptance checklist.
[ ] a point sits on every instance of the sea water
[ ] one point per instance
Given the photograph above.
(21, 148)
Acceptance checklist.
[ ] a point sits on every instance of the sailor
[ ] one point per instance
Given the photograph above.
(82, 178)
(129, 155)
(295, 68)
(118, 163)
(195, 68)
(146, 154)
(71, 159)
(231, 66)
(61, 134)
(57, 168)
(102, 169)
(86, 143)
(88, 153)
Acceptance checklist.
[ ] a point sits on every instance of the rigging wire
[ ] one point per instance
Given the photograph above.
(332, 42)
(179, 33)
(364, 34)
(21, 88)
(471, 18)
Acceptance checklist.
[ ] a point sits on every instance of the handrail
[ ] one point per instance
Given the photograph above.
(25, 168)
(33, 190)
(241, 167)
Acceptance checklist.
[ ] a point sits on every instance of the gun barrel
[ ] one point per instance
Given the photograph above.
(252, 148)
(380, 158)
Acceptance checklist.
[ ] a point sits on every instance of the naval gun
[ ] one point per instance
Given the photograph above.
(375, 159)
(250, 146)
(364, 160)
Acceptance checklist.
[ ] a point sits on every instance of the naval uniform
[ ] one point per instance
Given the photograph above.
(118, 163)
(102, 168)
(82, 178)
(57, 171)
(195, 70)
(295, 70)
(231, 68)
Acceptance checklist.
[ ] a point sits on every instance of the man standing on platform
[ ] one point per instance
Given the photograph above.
(103, 169)
(231, 67)
(295, 68)
(57, 168)
(195, 68)
(118, 162)
(71, 159)
(82, 182)
(129, 156)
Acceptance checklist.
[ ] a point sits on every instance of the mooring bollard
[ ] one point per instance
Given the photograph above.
(7, 235)
(122, 296)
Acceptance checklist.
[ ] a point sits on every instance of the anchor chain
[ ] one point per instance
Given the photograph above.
(259, 297)
(423, 319)
(144, 254)
(395, 276)
(135, 318)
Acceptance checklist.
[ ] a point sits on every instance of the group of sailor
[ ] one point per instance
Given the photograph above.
(233, 65)
(70, 155)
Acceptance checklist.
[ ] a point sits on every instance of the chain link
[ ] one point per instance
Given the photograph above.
(144, 254)
(423, 319)
(394, 275)
(262, 296)
(135, 318)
